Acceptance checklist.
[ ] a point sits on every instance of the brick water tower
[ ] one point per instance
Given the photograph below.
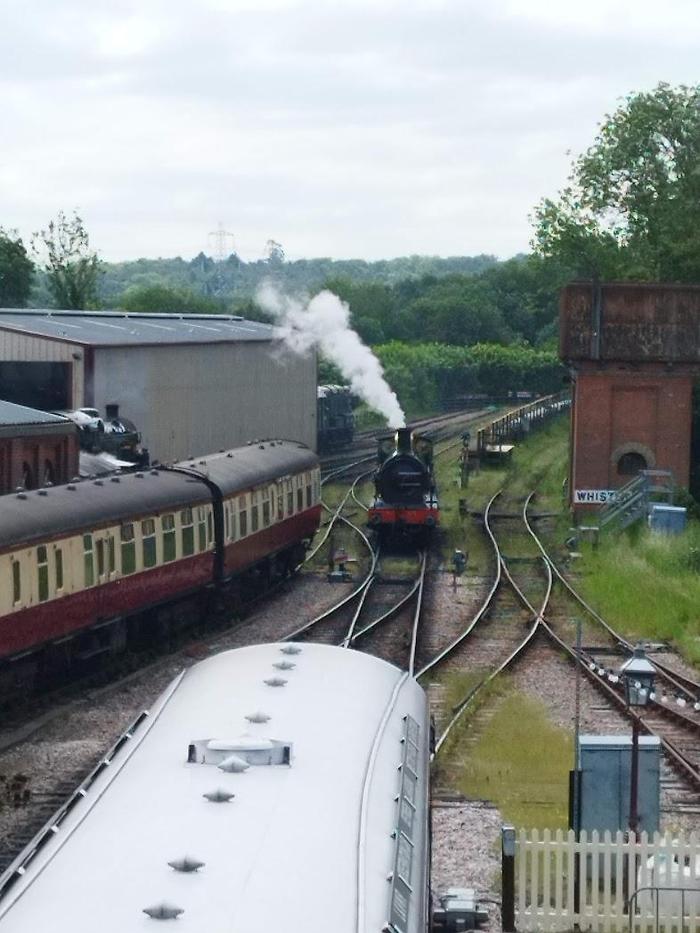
(634, 353)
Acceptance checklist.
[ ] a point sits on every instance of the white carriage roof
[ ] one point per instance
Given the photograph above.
(283, 853)
(121, 328)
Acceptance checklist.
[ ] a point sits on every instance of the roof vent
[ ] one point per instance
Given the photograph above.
(163, 911)
(138, 475)
(233, 765)
(114, 479)
(186, 864)
(262, 447)
(290, 649)
(258, 717)
(202, 462)
(275, 681)
(284, 665)
(21, 495)
(72, 487)
(43, 492)
(219, 796)
(154, 472)
(229, 454)
(99, 482)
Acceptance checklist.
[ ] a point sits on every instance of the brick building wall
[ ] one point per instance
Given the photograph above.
(32, 455)
(620, 412)
(634, 354)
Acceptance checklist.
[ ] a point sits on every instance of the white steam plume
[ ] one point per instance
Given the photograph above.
(324, 322)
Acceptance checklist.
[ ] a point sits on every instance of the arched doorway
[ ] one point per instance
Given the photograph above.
(631, 463)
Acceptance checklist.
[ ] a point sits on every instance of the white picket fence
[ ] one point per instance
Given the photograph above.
(611, 868)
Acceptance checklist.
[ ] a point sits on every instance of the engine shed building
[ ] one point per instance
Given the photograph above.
(192, 384)
(36, 448)
(634, 353)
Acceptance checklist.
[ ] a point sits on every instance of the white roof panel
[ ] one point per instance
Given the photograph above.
(284, 853)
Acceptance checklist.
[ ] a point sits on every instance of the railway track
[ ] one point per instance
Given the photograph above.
(363, 448)
(673, 715)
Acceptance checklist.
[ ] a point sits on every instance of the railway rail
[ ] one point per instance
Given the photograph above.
(677, 728)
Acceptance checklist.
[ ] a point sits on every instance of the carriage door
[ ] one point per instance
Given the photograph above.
(104, 568)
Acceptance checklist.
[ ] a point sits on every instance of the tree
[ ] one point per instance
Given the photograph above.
(632, 205)
(72, 269)
(156, 299)
(16, 271)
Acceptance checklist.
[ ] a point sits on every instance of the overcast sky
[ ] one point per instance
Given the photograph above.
(344, 129)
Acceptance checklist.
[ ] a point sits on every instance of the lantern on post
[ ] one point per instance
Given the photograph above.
(638, 677)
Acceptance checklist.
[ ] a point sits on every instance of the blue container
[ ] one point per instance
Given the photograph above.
(669, 519)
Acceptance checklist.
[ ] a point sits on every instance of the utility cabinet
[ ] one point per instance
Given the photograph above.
(605, 762)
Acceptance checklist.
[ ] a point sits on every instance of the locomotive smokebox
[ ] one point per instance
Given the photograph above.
(403, 440)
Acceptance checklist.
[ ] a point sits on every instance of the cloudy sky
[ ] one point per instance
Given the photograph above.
(342, 128)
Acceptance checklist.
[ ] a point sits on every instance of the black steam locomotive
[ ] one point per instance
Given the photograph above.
(108, 443)
(335, 418)
(406, 500)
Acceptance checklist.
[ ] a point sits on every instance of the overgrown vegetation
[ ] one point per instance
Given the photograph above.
(506, 764)
(648, 585)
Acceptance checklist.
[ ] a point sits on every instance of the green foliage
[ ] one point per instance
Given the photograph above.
(425, 374)
(160, 298)
(328, 373)
(235, 281)
(647, 585)
(632, 206)
(16, 271)
(72, 269)
(506, 764)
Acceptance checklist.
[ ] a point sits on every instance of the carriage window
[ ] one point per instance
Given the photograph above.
(43, 573)
(232, 510)
(16, 581)
(187, 532)
(110, 554)
(210, 527)
(243, 517)
(168, 523)
(227, 521)
(290, 503)
(100, 551)
(148, 533)
(202, 528)
(300, 499)
(128, 548)
(88, 560)
(58, 563)
(266, 513)
(254, 516)
(308, 496)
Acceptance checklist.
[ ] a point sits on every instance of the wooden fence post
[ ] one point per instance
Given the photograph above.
(508, 878)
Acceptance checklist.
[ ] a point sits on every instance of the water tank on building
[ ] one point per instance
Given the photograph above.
(670, 519)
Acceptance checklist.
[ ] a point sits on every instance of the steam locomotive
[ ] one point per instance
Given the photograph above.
(336, 421)
(405, 502)
(109, 443)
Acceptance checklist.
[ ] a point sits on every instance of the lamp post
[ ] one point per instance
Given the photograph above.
(638, 675)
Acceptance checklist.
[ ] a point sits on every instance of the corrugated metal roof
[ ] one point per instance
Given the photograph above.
(119, 328)
(20, 415)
